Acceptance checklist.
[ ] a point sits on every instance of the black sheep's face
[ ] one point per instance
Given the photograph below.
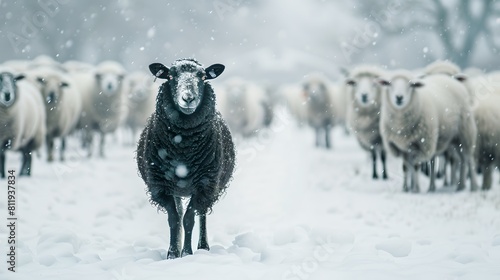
(8, 89)
(186, 80)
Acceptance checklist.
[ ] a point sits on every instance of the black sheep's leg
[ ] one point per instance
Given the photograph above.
(188, 224)
(203, 241)
(174, 222)
(374, 162)
(50, 148)
(63, 148)
(383, 158)
(327, 137)
(2, 163)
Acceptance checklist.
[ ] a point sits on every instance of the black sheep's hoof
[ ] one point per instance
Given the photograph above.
(186, 252)
(173, 254)
(204, 246)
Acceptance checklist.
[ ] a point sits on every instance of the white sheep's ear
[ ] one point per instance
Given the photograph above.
(158, 70)
(384, 82)
(19, 77)
(214, 71)
(416, 84)
(460, 77)
(64, 84)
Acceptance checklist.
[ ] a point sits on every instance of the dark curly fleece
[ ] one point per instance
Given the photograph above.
(201, 142)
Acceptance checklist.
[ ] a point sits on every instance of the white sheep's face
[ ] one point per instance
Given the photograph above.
(8, 89)
(186, 80)
(52, 89)
(139, 91)
(400, 91)
(365, 90)
(109, 83)
(315, 92)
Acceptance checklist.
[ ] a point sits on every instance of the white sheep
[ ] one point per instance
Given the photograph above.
(141, 95)
(487, 114)
(442, 67)
(63, 104)
(76, 66)
(422, 118)
(104, 104)
(363, 113)
(22, 119)
(244, 106)
(319, 108)
(295, 101)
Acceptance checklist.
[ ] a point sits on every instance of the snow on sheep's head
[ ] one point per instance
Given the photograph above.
(8, 89)
(52, 87)
(365, 89)
(109, 82)
(186, 80)
(400, 90)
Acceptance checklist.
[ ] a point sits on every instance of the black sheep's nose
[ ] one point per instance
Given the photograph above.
(188, 99)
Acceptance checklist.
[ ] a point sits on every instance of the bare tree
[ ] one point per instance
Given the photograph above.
(459, 25)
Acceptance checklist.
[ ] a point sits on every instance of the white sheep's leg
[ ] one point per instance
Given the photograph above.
(174, 222)
(487, 177)
(384, 166)
(50, 149)
(472, 174)
(455, 162)
(101, 144)
(445, 173)
(317, 132)
(327, 137)
(203, 241)
(374, 163)
(2, 164)
(405, 176)
(188, 224)
(26, 165)
(415, 188)
(432, 185)
(463, 173)
(63, 148)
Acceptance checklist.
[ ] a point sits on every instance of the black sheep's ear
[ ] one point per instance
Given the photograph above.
(416, 84)
(214, 71)
(19, 77)
(158, 70)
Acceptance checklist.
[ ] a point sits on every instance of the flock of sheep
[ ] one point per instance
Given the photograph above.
(43, 100)
(440, 120)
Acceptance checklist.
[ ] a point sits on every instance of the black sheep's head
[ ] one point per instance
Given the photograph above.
(186, 81)
(8, 88)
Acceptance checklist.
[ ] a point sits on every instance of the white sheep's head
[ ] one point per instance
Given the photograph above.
(315, 92)
(400, 90)
(109, 82)
(186, 81)
(365, 89)
(140, 90)
(52, 87)
(8, 88)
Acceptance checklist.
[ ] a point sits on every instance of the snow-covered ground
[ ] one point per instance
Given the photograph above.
(291, 212)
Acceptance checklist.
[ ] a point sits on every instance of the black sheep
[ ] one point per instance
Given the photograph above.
(186, 149)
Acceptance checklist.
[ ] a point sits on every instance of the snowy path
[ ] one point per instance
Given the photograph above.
(292, 212)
